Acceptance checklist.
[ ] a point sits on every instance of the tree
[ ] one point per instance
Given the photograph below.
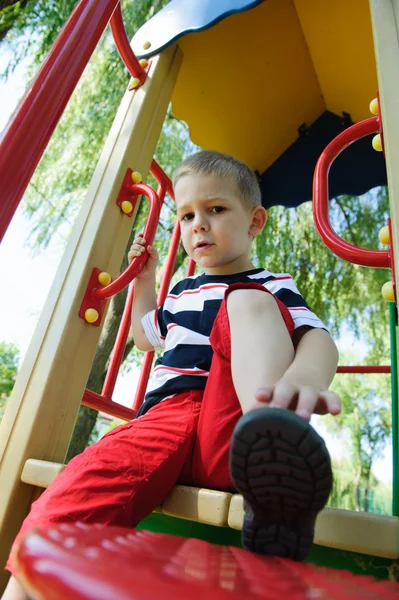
(9, 360)
(10, 12)
(366, 422)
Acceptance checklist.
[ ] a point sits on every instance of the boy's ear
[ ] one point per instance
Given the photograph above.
(259, 218)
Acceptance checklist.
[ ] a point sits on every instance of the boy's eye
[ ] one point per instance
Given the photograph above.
(217, 209)
(187, 217)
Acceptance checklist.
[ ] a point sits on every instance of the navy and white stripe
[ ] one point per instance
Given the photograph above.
(182, 325)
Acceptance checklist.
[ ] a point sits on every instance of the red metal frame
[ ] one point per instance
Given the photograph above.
(107, 405)
(166, 278)
(104, 401)
(124, 48)
(138, 263)
(125, 193)
(96, 294)
(365, 369)
(349, 252)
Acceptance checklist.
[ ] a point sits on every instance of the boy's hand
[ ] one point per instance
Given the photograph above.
(303, 399)
(137, 249)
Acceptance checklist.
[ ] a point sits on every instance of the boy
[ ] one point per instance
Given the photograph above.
(240, 345)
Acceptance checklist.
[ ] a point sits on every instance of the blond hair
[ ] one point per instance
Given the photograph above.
(210, 162)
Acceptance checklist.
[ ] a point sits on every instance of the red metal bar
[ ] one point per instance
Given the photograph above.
(122, 335)
(93, 400)
(31, 127)
(123, 46)
(123, 332)
(365, 369)
(349, 252)
(191, 267)
(166, 278)
(138, 263)
(162, 178)
(119, 348)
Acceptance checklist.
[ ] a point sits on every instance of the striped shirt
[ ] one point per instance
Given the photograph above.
(182, 325)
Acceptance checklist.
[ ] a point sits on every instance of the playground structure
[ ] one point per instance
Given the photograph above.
(211, 75)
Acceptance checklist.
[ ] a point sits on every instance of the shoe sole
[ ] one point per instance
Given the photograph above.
(282, 468)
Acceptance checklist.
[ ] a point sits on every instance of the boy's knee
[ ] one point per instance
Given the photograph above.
(251, 300)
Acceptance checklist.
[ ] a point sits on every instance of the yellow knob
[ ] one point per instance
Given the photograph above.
(91, 315)
(143, 62)
(374, 108)
(387, 292)
(126, 207)
(134, 83)
(383, 235)
(146, 45)
(104, 278)
(136, 177)
(377, 143)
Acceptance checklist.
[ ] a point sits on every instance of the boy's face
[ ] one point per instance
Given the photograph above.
(216, 227)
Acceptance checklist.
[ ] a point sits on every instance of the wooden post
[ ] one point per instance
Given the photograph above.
(385, 21)
(42, 410)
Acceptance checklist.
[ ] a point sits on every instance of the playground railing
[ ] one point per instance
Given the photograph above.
(360, 256)
(349, 252)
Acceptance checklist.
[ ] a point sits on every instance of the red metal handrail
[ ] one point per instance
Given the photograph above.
(166, 278)
(364, 369)
(104, 401)
(349, 252)
(122, 43)
(108, 406)
(123, 332)
(116, 286)
(31, 127)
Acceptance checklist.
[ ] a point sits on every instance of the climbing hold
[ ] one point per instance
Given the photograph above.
(91, 315)
(387, 292)
(134, 83)
(143, 62)
(126, 207)
(146, 45)
(377, 143)
(104, 278)
(383, 235)
(374, 108)
(136, 177)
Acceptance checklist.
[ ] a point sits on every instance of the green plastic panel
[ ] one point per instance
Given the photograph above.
(381, 568)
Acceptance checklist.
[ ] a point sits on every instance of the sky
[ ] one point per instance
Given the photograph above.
(21, 270)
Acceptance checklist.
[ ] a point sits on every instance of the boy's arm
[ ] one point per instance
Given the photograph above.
(144, 301)
(144, 298)
(315, 361)
(304, 386)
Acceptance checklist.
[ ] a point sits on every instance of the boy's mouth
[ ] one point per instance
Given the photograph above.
(203, 246)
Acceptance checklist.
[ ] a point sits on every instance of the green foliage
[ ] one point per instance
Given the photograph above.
(9, 360)
(344, 493)
(336, 290)
(10, 12)
(365, 425)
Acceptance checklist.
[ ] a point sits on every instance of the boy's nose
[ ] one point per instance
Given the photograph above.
(200, 224)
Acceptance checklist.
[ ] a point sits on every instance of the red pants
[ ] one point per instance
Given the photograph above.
(124, 476)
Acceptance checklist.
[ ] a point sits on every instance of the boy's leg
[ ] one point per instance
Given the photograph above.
(14, 591)
(261, 346)
(278, 462)
(125, 475)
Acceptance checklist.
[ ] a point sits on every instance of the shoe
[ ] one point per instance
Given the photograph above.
(282, 468)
